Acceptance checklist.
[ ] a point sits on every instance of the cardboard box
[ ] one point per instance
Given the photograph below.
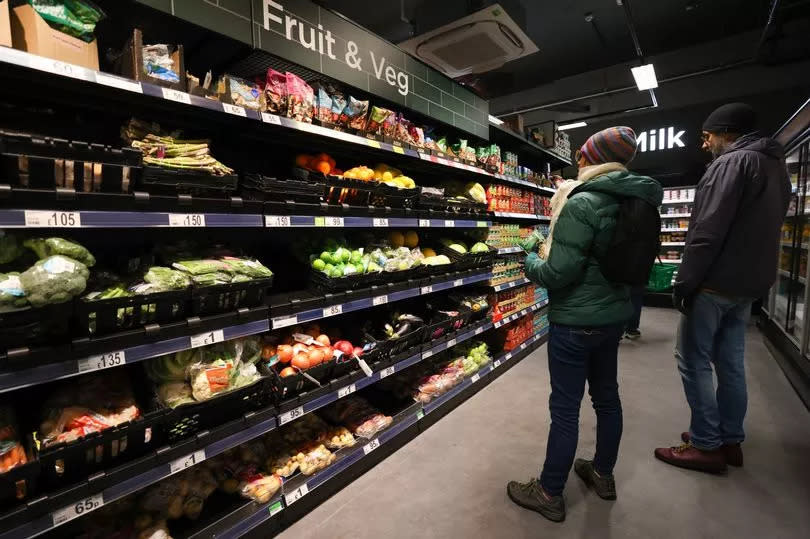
(5, 24)
(30, 33)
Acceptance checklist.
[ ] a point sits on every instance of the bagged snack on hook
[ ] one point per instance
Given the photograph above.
(323, 111)
(376, 119)
(354, 115)
(275, 93)
(401, 132)
(241, 92)
(338, 104)
(389, 126)
(417, 136)
(300, 99)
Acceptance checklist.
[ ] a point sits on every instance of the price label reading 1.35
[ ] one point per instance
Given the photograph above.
(332, 310)
(286, 417)
(236, 110)
(296, 494)
(79, 508)
(348, 390)
(178, 465)
(379, 300)
(104, 361)
(53, 219)
(277, 221)
(176, 95)
(387, 372)
(209, 337)
(371, 446)
(379, 222)
(424, 223)
(187, 219)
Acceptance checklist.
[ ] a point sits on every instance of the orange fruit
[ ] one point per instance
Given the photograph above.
(323, 166)
(302, 160)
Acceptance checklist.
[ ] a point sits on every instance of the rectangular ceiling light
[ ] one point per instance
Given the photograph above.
(645, 77)
(574, 125)
(494, 120)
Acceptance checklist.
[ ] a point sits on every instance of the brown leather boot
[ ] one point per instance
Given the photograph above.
(692, 458)
(733, 452)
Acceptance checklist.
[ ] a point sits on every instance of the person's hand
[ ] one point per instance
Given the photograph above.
(682, 303)
(531, 259)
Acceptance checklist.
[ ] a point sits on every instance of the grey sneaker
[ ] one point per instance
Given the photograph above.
(632, 334)
(532, 496)
(603, 485)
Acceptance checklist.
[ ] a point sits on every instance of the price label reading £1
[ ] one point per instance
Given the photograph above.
(77, 509)
(104, 361)
(296, 494)
(209, 337)
(348, 390)
(178, 465)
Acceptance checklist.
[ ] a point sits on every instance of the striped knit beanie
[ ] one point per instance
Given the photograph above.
(614, 144)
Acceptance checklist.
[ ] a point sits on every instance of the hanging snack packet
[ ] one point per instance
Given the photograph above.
(442, 144)
(389, 126)
(376, 119)
(300, 99)
(354, 115)
(417, 136)
(401, 132)
(481, 155)
(338, 104)
(244, 93)
(324, 107)
(275, 93)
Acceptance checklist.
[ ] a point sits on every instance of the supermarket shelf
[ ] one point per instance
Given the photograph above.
(537, 306)
(785, 273)
(308, 221)
(674, 229)
(527, 216)
(685, 201)
(507, 139)
(510, 284)
(673, 243)
(114, 86)
(674, 215)
(509, 250)
(365, 303)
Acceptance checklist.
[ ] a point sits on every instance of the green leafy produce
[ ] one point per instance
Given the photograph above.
(198, 267)
(55, 279)
(249, 267)
(479, 248)
(166, 279)
(12, 295)
(60, 246)
(209, 279)
(115, 291)
(72, 17)
(10, 249)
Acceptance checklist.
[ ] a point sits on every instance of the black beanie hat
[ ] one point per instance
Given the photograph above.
(731, 118)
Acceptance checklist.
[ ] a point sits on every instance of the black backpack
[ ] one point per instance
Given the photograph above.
(635, 243)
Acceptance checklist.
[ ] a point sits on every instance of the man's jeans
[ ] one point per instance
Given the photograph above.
(575, 355)
(714, 333)
(637, 299)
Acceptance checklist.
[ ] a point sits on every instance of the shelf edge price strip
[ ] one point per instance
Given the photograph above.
(345, 391)
(277, 221)
(68, 513)
(388, 371)
(288, 416)
(187, 219)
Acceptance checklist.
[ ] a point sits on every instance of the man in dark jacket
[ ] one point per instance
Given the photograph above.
(587, 315)
(730, 260)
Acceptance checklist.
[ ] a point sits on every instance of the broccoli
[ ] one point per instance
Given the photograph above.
(60, 246)
(11, 292)
(55, 279)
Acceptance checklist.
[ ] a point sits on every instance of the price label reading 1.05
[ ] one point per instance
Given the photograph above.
(104, 361)
(387, 372)
(424, 223)
(209, 337)
(286, 417)
(332, 310)
(68, 513)
(176, 95)
(379, 222)
(277, 221)
(371, 446)
(236, 110)
(379, 300)
(348, 390)
(53, 219)
(187, 219)
(178, 465)
(296, 494)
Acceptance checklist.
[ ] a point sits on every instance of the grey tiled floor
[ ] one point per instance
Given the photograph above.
(450, 481)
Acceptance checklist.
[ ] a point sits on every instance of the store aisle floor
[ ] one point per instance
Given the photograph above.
(451, 480)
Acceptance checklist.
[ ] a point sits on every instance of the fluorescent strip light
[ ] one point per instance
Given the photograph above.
(494, 120)
(574, 125)
(645, 77)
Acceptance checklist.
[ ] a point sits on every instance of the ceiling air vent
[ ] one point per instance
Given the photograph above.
(477, 43)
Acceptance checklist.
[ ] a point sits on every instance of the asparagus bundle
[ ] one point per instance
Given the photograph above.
(171, 152)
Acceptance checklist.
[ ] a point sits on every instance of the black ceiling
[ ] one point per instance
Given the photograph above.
(568, 43)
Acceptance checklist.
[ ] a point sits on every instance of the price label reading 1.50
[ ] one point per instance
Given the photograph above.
(53, 219)
(187, 219)
(104, 361)
(209, 337)
(68, 513)
(286, 417)
(277, 221)
(188, 461)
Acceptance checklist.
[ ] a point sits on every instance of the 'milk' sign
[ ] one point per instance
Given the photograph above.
(664, 138)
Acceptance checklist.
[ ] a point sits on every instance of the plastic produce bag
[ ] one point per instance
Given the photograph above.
(164, 279)
(208, 279)
(55, 279)
(12, 295)
(336, 438)
(275, 92)
(77, 18)
(300, 99)
(316, 458)
(158, 63)
(60, 246)
(10, 249)
(198, 267)
(247, 266)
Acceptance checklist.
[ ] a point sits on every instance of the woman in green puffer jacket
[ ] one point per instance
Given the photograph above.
(587, 316)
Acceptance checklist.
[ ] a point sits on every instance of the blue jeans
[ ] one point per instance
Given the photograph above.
(637, 298)
(575, 355)
(714, 333)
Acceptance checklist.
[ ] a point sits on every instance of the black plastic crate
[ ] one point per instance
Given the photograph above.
(35, 325)
(283, 189)
(105, 316)
(319, 281)
(469, 260)
(409, 340)
(290, 386)
(20, 482)
(156, 179)
(206, 300)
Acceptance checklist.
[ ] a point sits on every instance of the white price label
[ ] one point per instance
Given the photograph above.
(458, 282)
(523, 346)
(296, 494)
(345, 391)
(176, 95)
(187, 219)
(53, 219)
(379, 300)
(378, 221)
(479, 331)
(427, 289)
(271, 118)
(387, 372)
(474, 378)
(178, 465)
(332, 310)
(451, 343)
(496, 363)
(277, 221)
(118, 82)
(333, 221)
(427, 353)
(507, 357)
(68, 513)
(284, 321)
(424, 223)
(236, 110)
(59, 68)
(209, 337)
(104, 361)
(371, 446)
(286, 417)
(449, 223)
